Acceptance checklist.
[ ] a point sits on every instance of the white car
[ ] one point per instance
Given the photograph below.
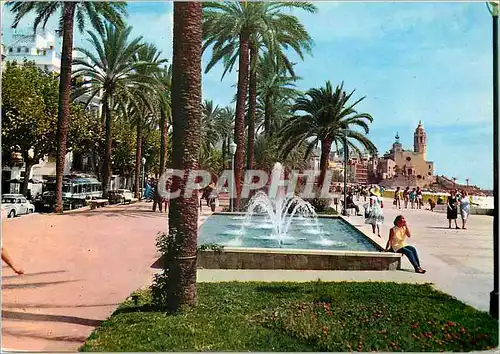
(16, 204)
(126, 194)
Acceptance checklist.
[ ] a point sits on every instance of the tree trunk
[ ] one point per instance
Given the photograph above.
(64, 98)
(239, 124)
(224, 155)
(164, 137)
(326, 146)
(268, 109)
(186, 109)
(106, 167)
(138, 155)
(28, 163)
(252, 106)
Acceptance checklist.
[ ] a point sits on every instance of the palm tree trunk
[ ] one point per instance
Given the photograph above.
(64, 98)
(186, 108)
(326, 146)
(138, 155)
(106, 173)
(239, 124)
(164, 137)
(224, 154)
(268, 109)
(252, 107)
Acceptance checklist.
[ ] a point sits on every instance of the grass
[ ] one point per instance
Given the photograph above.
(300, 317)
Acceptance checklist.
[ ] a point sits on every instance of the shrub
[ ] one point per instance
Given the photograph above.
(320, 204)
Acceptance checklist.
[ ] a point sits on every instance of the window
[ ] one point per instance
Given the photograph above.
(38, 52)
(19, 50)
(429, 167)
(23, 200)
(408, 158)
(26, 50)
(44, 52)
(430, 174)
(11, 50)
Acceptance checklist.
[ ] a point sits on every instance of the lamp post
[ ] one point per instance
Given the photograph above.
(346, 157)
(232, 150)
(143, 160)
(494, 9)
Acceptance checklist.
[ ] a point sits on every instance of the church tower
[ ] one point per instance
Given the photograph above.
(420, 140)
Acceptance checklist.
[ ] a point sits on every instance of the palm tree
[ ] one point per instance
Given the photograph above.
(82, 11)
(145, 112)
(233, 27)
(164, 78)
(186, 109)
(325, 115)
(226, 126)
(209, 129)
(276, 86)
(113, 70)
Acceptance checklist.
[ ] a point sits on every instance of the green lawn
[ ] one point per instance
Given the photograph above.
(301, 317)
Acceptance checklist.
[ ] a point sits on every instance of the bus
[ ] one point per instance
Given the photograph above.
(76, 189)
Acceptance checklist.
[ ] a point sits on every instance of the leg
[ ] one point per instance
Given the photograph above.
(357, 209)
(373, 227)
(378, 230)
(449, 223)
(6, 259)
(154, 204)
(409, 254)
(415, 254)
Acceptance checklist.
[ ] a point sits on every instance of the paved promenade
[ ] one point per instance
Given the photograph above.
(81, 265)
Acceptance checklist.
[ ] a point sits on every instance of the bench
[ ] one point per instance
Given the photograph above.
(97, 203)
(348, 209)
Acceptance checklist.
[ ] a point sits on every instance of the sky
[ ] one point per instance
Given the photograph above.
(428, 61)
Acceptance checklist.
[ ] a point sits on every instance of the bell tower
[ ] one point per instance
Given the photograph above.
(420, 140)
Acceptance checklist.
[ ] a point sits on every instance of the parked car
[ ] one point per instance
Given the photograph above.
(16, 204)
(120, 196)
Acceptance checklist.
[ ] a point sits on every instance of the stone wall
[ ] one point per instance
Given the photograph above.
(253, 258)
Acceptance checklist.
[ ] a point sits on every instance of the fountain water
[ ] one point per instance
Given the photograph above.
(280, 212)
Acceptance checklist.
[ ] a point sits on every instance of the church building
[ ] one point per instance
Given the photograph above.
(401, 162)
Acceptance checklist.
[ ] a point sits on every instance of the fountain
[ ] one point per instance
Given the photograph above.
(280, 211)
(282, 231)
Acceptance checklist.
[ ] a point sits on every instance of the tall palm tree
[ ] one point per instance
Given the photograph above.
(226, 126)
(324, 115)
(68, 11)
(210, 126)
(276, 85)
(186, 114)
(146, 113)
(232, 27)
(113, 70)
(164, 78)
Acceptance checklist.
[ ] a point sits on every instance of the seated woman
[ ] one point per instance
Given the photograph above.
(396, 243)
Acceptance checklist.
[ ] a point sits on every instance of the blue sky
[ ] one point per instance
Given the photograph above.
(412, 61)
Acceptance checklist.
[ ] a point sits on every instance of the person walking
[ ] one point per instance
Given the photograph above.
(398, 195)
(413, 198)
(6, 258)
(465, 203)
(452, 209)
(396, 243)
(406, 196)
(375, 215)
(420, 198)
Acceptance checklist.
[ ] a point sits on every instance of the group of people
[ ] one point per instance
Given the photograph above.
(458, 200)
(413, 197)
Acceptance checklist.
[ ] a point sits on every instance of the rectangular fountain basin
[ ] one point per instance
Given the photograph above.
(338, 246)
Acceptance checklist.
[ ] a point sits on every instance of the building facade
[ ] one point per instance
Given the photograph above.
(42, 49)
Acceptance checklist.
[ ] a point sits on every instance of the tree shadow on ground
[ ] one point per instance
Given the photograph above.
(35, 285)
(142, 308)
(52, 306)
(39, 317)
(116, 213)
(33, 274)
(34, 335)
(441, 228)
